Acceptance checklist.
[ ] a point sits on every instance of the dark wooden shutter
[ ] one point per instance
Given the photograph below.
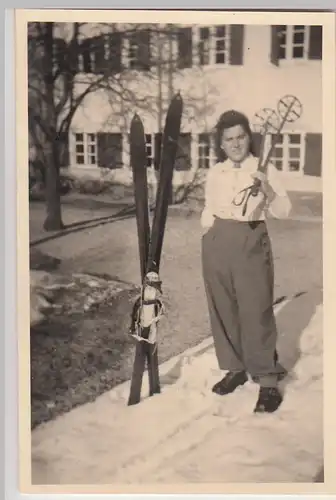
(115, 41)
(256, 143)
(85, 50)
(315, 42)
(157, 150)
(184, 43)
(143, 40)
(109, 150)
(60, 49)
(73, 55)
(97, 44)
(183, 157)
(237, 44)
(64, 157)
(275, 45)
(313, 158)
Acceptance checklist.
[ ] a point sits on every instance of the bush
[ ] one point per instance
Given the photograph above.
(91, 186)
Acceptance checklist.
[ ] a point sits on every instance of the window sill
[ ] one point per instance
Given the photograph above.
(86, 166)
(298, 62)
(291, 174)
(216, 65)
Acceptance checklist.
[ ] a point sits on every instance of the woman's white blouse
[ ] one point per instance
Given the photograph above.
(224, 182)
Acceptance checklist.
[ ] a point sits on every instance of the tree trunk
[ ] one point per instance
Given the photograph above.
(53, 220)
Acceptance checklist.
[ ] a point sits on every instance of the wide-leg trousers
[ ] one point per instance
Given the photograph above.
(238, 275)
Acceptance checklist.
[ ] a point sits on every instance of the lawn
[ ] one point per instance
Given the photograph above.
(77, 356)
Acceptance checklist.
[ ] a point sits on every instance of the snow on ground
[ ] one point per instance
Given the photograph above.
(189, 435)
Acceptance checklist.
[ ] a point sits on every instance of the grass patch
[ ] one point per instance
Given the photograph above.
(77, 356)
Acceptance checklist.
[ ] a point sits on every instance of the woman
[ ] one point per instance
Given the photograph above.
(238, 265)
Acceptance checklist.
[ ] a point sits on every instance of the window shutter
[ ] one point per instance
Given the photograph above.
(313, 157)
(73, 56)
(63, 143)
(115, 41)
(184, 43)
(85, 49)
(143, 40)
(97, 44)
(315, 42)
(157, 150)
(109, 150)
(183, 157)
(60, 54)
(256, 140)
(274, 54)
(237, 44)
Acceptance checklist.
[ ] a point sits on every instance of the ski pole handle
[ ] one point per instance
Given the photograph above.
(257, 183)
(255, 187)
(266, 121)
(263, 167)
(295, 114)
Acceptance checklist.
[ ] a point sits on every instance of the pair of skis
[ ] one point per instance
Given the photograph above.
(148, 308)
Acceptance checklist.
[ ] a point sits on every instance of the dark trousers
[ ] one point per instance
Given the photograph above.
(239, 281)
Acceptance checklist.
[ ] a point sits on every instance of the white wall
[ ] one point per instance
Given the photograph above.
(254, 85)
(250, 87)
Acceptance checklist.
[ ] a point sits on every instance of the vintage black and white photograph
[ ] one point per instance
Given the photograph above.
(175, 249)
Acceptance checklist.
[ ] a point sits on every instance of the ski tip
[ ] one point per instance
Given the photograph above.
(176, 104)
(177, 96)
(137, 125)
(136, 118)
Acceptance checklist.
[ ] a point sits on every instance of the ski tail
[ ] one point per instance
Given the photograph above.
(139, 168)
(168, 156)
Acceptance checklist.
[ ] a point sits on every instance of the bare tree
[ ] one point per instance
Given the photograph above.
(58, 86)
(66, 64)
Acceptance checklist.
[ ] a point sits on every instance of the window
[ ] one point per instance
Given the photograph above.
(204, 151)
(132, 51)
(221, 44)
(183, 156)
(278, 155)
(85, 149)
(92, 149)
(60, 54)
(138, 50)
(109, 150)
(213, 46)
(294, 152)
(293, 42)
(204, 46)
(288, 154)
(86, 56)
(149, 150)
(100, 54)
(209, 45)
(107, 48)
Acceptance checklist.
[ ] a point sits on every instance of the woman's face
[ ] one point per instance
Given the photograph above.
(235, 143)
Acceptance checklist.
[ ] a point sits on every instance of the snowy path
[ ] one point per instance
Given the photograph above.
(189, 435)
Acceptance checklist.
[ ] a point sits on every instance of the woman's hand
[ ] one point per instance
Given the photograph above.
(265, 186)
(207, 220)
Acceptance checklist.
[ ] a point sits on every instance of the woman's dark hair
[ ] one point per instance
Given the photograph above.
(230, 119)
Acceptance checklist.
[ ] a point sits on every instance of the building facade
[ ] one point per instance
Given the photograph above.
(215, 68)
